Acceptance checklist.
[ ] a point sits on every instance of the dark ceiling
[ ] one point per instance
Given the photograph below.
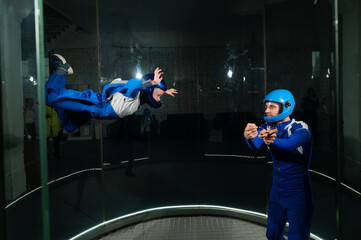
(158, 15)
(142, 15)
(145, 15)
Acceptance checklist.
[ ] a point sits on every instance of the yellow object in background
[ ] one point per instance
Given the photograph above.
(52, 122)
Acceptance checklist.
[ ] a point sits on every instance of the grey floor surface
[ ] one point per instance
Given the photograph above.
(188, 228)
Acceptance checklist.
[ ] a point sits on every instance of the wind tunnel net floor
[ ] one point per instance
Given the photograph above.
(191, 227)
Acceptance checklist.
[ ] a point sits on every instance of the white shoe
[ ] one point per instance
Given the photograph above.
(59, 64)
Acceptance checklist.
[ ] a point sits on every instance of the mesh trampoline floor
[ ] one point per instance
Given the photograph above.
(194, 227)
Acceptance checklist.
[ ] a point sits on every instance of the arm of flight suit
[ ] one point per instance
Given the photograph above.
(134, 85)
(128, 88)
(254, 143)
(297, 139)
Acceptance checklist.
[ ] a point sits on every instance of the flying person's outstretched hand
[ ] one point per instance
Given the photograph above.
(171, 92)
(157, 76)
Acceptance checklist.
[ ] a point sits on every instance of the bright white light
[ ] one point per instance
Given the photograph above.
(103, 80)
(327, 76)
(217, 87)
(230, 73)
(139, 75)
(244, 79)
(32, 80)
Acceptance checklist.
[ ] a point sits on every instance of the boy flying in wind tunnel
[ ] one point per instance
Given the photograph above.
(119, 98)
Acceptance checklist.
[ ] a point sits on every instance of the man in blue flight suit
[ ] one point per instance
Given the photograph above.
(290, 145)
(118, 99)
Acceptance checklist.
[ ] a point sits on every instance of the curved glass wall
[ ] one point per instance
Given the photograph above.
(20, 128)
(180, 154)
(223, 58)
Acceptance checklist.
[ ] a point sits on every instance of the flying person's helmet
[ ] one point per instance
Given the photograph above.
(285, 98)
(149, 90)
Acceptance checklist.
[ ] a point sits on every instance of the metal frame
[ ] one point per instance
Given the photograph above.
(338, 118)
(39, 35)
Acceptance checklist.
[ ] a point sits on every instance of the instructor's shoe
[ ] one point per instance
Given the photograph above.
(60, 66)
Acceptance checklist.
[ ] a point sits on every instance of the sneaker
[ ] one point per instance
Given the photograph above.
(60, 66)
(57, 60)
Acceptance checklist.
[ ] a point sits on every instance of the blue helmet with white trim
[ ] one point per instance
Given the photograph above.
(286, 99)
(149, 90)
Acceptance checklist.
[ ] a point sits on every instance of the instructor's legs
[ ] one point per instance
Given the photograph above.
(276, 221)
(299, 224)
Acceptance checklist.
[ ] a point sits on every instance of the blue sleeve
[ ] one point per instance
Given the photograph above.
(297, 138)
(128, 89)
(254, 143)
(133, 85)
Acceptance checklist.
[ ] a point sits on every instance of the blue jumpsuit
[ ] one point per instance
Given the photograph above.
(75, 108)
(291, 194)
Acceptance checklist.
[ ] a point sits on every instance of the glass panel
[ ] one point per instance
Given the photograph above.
(191, 150)
(214, 55)
(300, 58)
(73, 139)
(350, 65)
(74, 150)
(20, 120)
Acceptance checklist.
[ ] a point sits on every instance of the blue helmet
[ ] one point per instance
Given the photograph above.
(149, 90)
(283, 97)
